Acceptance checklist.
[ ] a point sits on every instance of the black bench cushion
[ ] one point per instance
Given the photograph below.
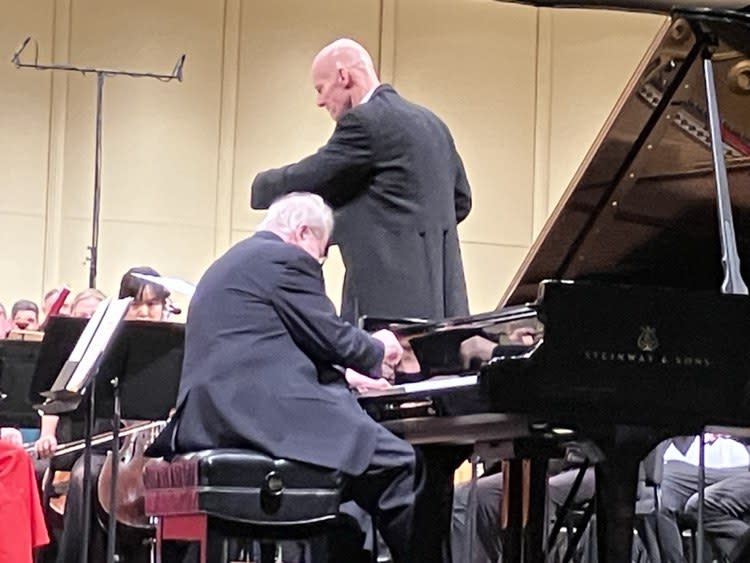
(244, 486)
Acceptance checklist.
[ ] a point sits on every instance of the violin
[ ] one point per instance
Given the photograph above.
(129, 488)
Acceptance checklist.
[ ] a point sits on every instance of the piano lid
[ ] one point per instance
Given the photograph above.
(655, 6)
(642, 207)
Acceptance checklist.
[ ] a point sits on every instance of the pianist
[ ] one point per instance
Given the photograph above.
(260, 336)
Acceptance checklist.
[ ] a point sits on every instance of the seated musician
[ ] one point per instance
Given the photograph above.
(85, 303)
(24, 315)
(49, 301)
(23, 526)
(725, 515)
(149, 303)
(5, 322)
(725, 459)
(261, 342)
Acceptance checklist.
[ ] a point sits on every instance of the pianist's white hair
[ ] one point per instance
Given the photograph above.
(298, 209)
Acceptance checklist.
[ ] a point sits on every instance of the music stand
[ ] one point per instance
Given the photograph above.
(143, 367)
(17, 361)
(76, 382)
(60, 337)
(436, 351)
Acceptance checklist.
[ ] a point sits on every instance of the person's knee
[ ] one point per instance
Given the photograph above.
(691, 506)
(490, 494)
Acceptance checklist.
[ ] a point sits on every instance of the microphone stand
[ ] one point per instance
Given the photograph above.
(101, 74)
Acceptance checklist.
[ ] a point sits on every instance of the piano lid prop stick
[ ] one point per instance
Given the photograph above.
(730, 259)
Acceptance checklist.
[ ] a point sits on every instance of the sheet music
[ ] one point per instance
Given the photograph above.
(433, 384)
(103, 333)
(88, 331)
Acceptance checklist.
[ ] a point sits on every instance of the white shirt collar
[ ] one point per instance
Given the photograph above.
(368, 95)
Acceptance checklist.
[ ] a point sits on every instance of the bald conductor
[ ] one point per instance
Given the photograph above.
(392, 173)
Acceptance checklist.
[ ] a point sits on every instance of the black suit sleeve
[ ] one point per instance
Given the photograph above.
(462, 192)
(336, 172)
(311, 319)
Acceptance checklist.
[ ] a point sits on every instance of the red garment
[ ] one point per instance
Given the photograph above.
(22, 525)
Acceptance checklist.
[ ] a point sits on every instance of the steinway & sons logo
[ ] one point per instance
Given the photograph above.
(647, 341)
(647, 346)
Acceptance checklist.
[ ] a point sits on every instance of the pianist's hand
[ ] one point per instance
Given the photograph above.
(362, 383)
(523, 335)
(12, 435)
(393, 349)
(45, 446)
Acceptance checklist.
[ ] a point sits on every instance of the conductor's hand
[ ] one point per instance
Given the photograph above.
(362, 383)
(45, 446)
(393, 350)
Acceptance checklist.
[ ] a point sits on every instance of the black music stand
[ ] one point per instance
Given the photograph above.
(143, 367)
(60, 337)
(76, 383)
(140, 366)
(437, 352)
(17, 361)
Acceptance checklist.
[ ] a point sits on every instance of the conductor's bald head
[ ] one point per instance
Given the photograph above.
(342, 73)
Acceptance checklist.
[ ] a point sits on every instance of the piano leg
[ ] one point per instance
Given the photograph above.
(511, 514)
(616, 488)
(535, 517)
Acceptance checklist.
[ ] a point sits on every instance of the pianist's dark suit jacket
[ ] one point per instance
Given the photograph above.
(259, 329)
(392, 173)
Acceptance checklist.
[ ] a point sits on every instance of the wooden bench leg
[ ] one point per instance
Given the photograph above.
(186, 527)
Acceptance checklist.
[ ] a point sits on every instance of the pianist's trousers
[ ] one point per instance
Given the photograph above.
(387, 491)
(433, 510)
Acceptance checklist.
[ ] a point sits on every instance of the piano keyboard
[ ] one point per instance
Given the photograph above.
(432, 384)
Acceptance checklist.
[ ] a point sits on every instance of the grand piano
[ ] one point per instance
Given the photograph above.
(633, 291)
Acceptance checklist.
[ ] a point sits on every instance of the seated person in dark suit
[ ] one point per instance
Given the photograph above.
(261, 343)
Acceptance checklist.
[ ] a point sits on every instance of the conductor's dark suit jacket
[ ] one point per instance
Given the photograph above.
(392, 173)
(260, 330)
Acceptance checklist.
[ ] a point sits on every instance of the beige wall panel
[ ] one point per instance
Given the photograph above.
(334, 271)
(473, 63)
(594, 53)
(182, 251)
(22, 243)
(24, 109)
(238, 235)
(489, 269)
(159, 140)
(277, 120)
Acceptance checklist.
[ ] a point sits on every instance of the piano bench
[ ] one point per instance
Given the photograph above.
(213, 496)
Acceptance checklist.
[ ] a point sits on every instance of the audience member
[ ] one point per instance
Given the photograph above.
(85, 303)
